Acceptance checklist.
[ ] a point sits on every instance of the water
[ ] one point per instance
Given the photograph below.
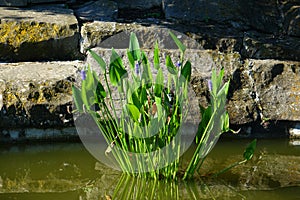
(68, 171)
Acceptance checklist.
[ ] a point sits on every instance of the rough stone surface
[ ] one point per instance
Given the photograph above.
(266, 46)
(291, 22)
(114, 34)
(13, 3)
(40, 97)
(277, 88)
(101, 10)
(38, 33)
(92, 34)
(200, 10)
(264, 15)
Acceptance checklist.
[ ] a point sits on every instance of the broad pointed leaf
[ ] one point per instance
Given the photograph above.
(116, 68)
(170, 66)
(133, 112)
(156, 56)
(77, 98)
(99, 60)
(134, 47)
(181, 46)
(186, 71)
(248, 154)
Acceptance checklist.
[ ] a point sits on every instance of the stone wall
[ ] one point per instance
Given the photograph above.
(257, 42)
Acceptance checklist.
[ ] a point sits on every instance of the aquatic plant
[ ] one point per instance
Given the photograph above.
(144, 134)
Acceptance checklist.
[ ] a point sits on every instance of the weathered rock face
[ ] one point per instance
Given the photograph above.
(216, 10)
(40, 97)
(101, 10)
(277, 88)
(291, 23)
(38, 33)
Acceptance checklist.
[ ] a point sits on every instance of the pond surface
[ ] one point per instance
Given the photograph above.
(68, 171)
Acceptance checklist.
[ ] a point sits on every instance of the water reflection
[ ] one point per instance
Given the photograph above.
(68, 171)
(129, 187)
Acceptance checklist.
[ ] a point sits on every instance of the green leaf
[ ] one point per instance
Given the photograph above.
(186, 71)
(222, 93)
(133, 112)
(206, 115)
(249, 151)
(89, 82)
(77, 98)
(178, 43)
(86, 94)
(131, 59)
(156, 56)
(136, 100)
(159, 83)
(99, 60)
(225, 123)
(134, 47)
(146, 75)
(170, 66)
(100, 93)
(143, 95)
(116, 68)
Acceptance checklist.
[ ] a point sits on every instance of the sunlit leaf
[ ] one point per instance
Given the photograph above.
(159, 83)
(77, 98)
(147, 74)
(156, 56)
(186, 71)
(249, 151)
(99, 60)
(181, 46)
(133, 112)
(116, 68)
(130, 59)
(134, 47)
(170, 66)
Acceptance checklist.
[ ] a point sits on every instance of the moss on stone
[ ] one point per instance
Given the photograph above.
(15, 33)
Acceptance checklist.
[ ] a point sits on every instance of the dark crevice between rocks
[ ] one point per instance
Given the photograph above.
(130, 15)
(265, 130)
(276, 70)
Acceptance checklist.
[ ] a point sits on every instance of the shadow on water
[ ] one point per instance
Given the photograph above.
(67, 171)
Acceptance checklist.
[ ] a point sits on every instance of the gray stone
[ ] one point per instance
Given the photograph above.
(92, 34)
(113, 34)
(137, 4)
(291, 22)
(262, 15)
(13, 3)
(201, 10)
(266, 46)
(278, 88)
(38, 33)
(40, 97)
(101, 10)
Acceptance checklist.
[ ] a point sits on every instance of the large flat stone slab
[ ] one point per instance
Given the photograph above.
(38, 33)
(36, 95)
(113, 34)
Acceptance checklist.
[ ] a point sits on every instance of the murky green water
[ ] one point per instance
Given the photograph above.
(68, 171)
